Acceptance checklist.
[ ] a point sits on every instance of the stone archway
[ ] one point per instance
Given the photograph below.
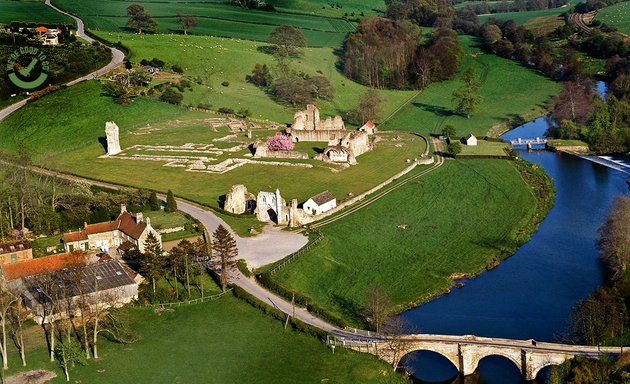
(430, 366)
(473, 364)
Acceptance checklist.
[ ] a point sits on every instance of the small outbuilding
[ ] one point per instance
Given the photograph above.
(369, 127)
(320, 203)
(470, 140)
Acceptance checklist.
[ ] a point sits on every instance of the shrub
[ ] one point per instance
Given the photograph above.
(225, 83)
(226, 110)
(204, 106)
(171, 96)
(177, 68)
(280, 142)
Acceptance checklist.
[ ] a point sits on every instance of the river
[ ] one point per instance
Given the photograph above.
(529, 295)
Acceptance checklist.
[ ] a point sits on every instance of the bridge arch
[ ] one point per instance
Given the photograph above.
(474, 363)
(431, 366)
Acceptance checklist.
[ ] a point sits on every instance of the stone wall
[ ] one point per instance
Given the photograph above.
(238, 200)
(309, 120)
(319, 136)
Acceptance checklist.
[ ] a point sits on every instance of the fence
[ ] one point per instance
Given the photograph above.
(298, 253)
(195, 301)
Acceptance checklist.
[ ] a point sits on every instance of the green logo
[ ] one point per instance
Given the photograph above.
(27, 68)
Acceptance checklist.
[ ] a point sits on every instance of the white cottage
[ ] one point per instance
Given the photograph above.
(320, 203)
(470, 139)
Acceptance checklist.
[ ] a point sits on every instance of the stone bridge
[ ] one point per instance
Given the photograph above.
(465, 352)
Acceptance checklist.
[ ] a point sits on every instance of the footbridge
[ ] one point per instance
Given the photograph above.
(465, 352)
(537, 143)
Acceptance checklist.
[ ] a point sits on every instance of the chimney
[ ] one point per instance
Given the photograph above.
(138, 217)
(148, 221)
(123, 208)
(84, 225)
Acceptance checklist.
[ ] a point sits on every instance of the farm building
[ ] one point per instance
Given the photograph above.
(15, 251)
(320, 203)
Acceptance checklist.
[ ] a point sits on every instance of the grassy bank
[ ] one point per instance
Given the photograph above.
(460, 218)
(509, 90)
(225, 341)
(214, 61)
(617, 16)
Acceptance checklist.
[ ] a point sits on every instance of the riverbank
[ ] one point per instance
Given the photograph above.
(461, 219)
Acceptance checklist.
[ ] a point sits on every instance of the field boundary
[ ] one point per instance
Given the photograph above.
(194, 301)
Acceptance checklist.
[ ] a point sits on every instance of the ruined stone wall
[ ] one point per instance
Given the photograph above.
(238, 199)
(319, 136)
(309, 120)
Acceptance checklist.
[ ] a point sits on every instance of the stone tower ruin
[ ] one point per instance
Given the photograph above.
(113, 140)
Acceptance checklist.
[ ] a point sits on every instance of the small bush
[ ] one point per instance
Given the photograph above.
(171, 96)
(226, 110)
(177, 68)
(204, 106)
(225, 83)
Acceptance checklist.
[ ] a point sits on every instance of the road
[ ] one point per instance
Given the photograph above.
(117, 59)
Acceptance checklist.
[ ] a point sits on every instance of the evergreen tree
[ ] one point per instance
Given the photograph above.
(224, 250)
(171, 203)
(154, 202)
(152, 262)
(466, 99)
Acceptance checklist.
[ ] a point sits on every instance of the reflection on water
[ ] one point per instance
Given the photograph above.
(531, 294)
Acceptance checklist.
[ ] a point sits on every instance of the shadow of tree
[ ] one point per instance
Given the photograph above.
(435, 109)
(348, 308)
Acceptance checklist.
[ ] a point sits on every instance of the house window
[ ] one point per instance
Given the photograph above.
(14, 257)
(71, 247)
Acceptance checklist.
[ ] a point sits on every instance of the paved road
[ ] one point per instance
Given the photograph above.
(117, 59)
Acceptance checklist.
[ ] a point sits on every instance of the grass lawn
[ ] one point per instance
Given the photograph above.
(215, 60)
(41, 243)
(70, 142)
(617, 15)
(459, 219)
(31, 11)
(508, 88)
(485, 148)
(225, 341)
(215, 19)
(162, 220)
(544, 25)
(331, 8)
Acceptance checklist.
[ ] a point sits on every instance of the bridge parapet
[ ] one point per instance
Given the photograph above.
(465, 352)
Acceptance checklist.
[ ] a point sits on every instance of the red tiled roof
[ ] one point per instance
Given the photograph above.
(129, 226)
(42, 264)
(41, 29)
(125, 223)
(369, 124)
(14, 246)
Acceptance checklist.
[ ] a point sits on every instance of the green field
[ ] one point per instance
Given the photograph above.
(215, 19)
(224, 341)
(508, 88)
(70, 142)
(34, 11)
(525, 16)
(451, 227)
(617, 15)
(331, 8)
(215, 60)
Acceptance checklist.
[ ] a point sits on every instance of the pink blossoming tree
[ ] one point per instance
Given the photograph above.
(280, 142)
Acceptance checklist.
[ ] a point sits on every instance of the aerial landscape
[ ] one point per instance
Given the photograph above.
(291, 191)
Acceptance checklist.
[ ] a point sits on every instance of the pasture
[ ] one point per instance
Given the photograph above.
(71, 143)
(216, 60)
(223, 341)
(31, 11)
(458, 219)
(510, 92)
(617, 16)
(215, 19)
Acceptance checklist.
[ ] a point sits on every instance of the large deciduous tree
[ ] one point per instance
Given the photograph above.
(287, 40)
(140, 20)
(376, 307)
(466, 98)
(575, 101)
(225, 252)
(187, 22)
(614, 236)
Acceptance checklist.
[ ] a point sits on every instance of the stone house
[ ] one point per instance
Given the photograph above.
(320, 203)
(470, 140)
(133, 229)
(15, 251)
